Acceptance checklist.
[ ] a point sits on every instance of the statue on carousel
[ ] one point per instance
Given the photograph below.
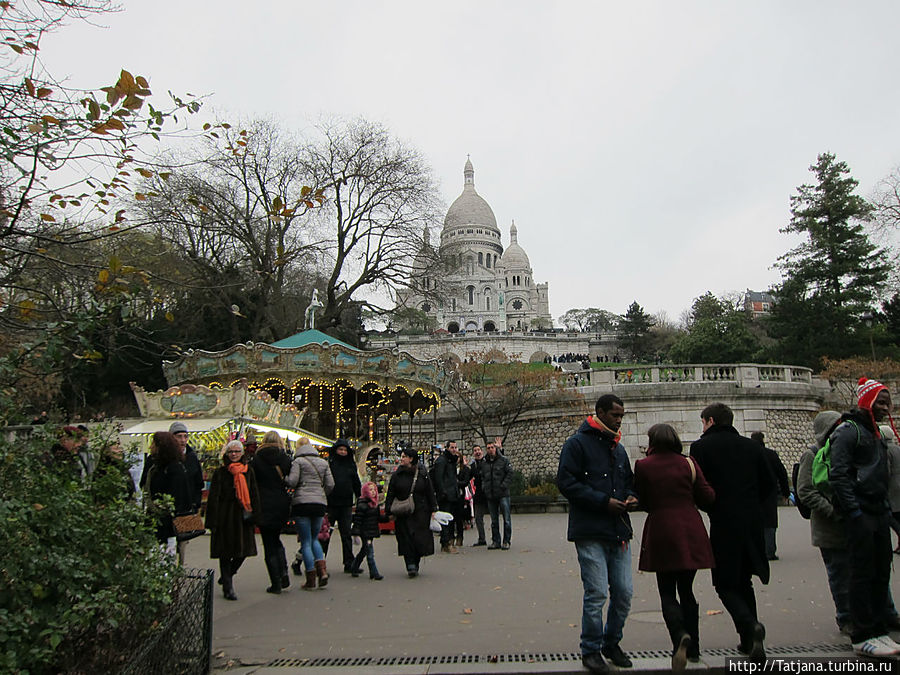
(314, 304)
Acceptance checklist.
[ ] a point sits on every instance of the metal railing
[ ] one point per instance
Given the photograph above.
(182, 643)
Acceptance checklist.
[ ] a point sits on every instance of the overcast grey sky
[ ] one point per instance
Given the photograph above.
(646, 150)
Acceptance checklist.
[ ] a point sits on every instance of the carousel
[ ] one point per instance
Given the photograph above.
(367, 397)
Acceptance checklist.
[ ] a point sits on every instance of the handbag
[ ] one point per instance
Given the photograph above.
(188, 527)
(324, 531)
(404, 507)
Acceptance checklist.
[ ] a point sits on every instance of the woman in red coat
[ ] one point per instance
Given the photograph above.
(675, 544)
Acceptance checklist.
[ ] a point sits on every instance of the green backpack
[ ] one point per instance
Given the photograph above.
(821, 466)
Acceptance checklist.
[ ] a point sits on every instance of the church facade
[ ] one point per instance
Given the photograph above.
(481, 286)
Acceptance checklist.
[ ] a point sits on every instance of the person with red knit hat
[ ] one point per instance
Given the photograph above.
(859, 479)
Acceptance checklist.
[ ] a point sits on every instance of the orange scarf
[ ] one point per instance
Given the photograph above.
(597, 424)
(238, 469)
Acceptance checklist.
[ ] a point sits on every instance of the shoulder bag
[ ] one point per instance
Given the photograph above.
(404, 507)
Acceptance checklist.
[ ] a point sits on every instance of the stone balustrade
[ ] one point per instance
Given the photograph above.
(742, 374)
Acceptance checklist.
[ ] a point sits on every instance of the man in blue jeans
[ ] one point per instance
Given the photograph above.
(595, 476)
(496, 475)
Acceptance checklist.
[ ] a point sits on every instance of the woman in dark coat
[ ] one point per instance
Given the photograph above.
(270, 465)
(231, 513)
(167, 476)
(413, 532)
(675, 544)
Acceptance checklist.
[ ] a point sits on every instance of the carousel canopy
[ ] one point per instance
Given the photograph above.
(308, 337)
(343, 391)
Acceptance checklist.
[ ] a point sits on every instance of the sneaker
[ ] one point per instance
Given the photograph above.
(480, 543)
(594, 663)
(889, 643)
(615, 654)
(376, 577)
(874, 648)
(493, 547)
(505, 546)
(412, 571)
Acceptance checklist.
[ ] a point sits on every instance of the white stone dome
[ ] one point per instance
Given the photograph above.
(470, 208)
(514, 257)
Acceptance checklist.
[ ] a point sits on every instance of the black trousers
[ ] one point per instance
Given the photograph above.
(680, 617)
(341, 517)
(736, 593)
(273, 554)
(869, 546)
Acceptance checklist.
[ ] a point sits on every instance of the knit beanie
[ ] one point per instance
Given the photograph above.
(866, 393)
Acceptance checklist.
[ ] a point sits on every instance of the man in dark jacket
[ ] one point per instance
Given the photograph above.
(496, 475)
(770, 509)
(342, 498)
(479, 501)
(194, 472)
(595, 476)
(446, 489)
(858, 479)
(736, 468)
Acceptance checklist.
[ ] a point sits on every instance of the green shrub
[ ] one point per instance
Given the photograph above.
(517, 485)
(81, 575)
(542, 484)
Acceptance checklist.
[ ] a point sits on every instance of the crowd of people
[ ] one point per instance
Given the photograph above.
(735, 480)
(852, 504)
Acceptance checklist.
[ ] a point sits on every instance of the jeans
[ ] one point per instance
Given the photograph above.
(308, 534)
(837, 567)
(367, 551)
(341, 518)
(502, 506)
(448, 531)
(480, 510)
(605, 573)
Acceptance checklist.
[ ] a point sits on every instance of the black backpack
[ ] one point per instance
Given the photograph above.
(804, 510)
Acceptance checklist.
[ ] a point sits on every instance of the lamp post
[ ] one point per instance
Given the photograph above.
(868, 317)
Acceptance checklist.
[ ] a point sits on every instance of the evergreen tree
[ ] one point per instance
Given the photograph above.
(831, 278)
(719, 332)
(633, 330)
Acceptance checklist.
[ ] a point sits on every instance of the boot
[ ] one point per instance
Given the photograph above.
(310, 584)
(679, 653)
(273, 567)
(283, 567)
(226, 578)
(692, 626)
(322, 573)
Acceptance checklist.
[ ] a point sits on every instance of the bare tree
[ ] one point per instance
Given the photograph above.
(381, 196)
(487, 394)
(239, 212)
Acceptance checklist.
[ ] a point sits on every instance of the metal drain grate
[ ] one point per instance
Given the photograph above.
(373, 662)
(382, 661)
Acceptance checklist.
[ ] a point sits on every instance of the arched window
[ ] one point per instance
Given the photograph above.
(488, 261)
(480, 258)
(487, 302)
(471, 290)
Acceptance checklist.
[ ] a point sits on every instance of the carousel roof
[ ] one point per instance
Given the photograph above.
(308, 337)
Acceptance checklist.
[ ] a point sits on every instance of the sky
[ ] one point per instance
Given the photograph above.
(646, 150)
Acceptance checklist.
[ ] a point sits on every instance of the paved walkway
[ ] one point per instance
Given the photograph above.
(521, 606)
